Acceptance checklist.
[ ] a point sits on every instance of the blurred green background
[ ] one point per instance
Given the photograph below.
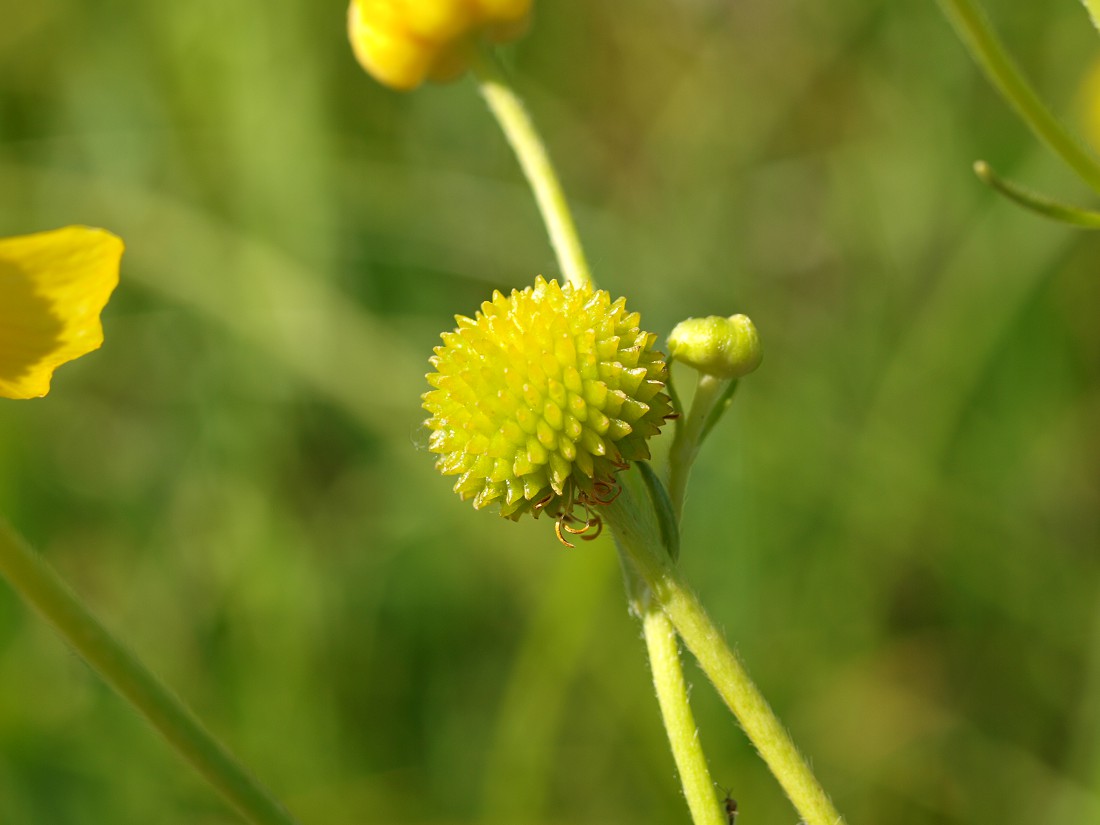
(898, 527)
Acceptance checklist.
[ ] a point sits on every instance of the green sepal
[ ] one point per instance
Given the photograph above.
(677, 406)
(662, 506)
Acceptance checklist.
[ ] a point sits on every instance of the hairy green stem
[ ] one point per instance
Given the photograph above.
(672, 696)
(510, 113)
(683, 736)
(41, 588)
(664, 658)
(985, 47)
(635, 530)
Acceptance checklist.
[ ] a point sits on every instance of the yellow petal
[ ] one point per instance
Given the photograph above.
(385, 48)
(53, 285)
(503, 10)
(436, 21)
(401, 43)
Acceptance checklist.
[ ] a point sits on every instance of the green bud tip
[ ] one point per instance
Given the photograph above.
(722, 347)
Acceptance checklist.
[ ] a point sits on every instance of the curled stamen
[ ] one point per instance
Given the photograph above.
(604, 492)
(585, 526)
(563, 508)
(561, 538)
(597, 525)
(542, 503)
(588, 510)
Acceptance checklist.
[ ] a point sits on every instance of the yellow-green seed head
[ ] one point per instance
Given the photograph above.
(543, 396)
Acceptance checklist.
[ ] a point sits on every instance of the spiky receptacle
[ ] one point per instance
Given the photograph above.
(543, 396)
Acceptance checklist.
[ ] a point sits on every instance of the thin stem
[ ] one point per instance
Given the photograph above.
(668, 677)
(672, 697)
(683, 736)
(42, 589)
(721, 404)
(637, 535)
(1047, 207)
(510, 113)
(688, 437)
(985, 47)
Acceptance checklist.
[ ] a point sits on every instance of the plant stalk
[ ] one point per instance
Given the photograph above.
(512, 116)
(689, 435)
(43, 590)
(1040, 204)
(636, 532)
(683, 735)
(986, 48)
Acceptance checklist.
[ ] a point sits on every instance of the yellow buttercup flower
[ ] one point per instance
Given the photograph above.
(402, 43)
(542, 398)
(53, 286)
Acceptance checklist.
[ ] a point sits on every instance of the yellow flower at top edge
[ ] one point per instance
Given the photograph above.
(402, 43)
(53, 286)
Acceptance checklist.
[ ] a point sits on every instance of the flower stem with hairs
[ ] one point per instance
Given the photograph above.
(658, 596)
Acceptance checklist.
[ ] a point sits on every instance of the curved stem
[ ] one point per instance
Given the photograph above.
(41, 588)
(636, 533)
(1047, 207)
(510, 113)
(683, 736)
(984, 46)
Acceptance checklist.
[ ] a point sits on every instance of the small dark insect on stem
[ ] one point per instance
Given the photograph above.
(731, 809)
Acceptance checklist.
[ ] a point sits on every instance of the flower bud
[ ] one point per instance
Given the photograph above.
(402, 43)
(722, 347)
